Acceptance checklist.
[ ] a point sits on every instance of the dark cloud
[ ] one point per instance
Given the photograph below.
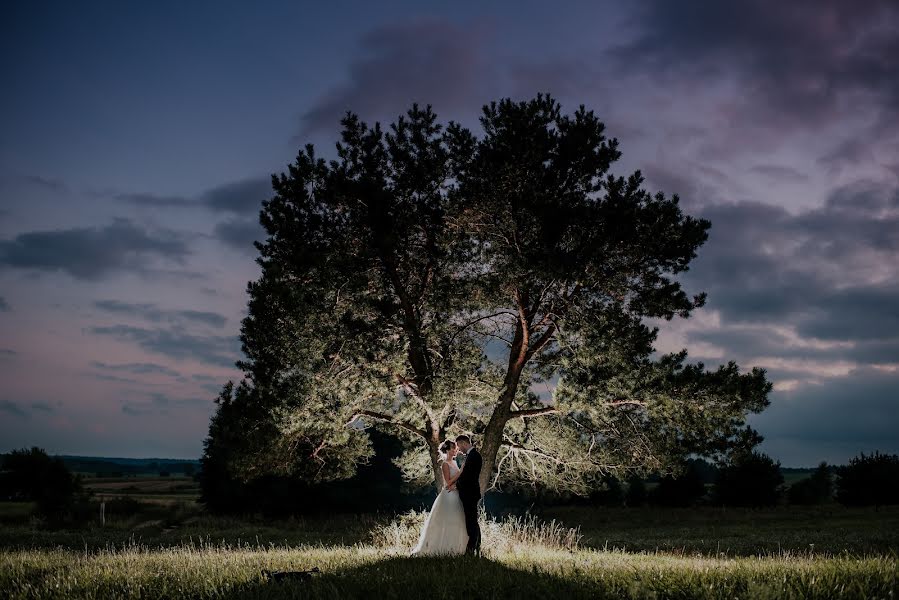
(240, 234)
(425, 61)
(242, 197)
(807, 59)
(51, 184)
(859, 410)
(11, 408)
(847, 154)
(93, 253)
(855, 313)
(7, 352)
(178, 344)
(4, 305)
(749, 342)
(761, 70)
(152, 313)
(159, 403)
(780, 172)
(137, 368)
(113, 378)
(762, 262)
(803, 289)
(160, 399)
(136, 410)
(43, 407)
(155, 200)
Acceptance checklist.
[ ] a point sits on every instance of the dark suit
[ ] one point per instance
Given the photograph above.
(469, 493)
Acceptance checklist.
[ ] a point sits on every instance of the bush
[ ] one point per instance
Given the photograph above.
(869, 480)
(683, 490)
(33, 475)
(751, 479)
(812, 490)
(609, 493)
(636, 492)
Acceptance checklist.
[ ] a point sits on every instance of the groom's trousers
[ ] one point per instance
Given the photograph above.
(470, 507)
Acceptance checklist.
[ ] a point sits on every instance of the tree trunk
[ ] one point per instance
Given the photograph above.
(435, 464)
(493, 433)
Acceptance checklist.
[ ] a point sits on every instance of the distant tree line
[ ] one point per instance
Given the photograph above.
(755, 480)
(376, 486)
(32, 475)
(749, 479)
(125, 467)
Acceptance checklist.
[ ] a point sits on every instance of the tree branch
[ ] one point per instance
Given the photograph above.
(533, 412)
(413, 391)
(527, 450)
(625, 403)
(449, 343)
(388, 419)
(541, 341)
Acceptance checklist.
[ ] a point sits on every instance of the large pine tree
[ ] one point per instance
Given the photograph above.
(435, 281)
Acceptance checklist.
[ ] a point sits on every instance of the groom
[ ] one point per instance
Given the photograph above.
(469, 488)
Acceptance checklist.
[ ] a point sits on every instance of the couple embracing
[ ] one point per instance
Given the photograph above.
(452, 525)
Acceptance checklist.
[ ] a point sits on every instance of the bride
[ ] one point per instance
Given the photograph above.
(444, 530)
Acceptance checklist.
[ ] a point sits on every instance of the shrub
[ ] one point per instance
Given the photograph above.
(608, 493)
(636, 492)
(34, 475)
(682, 490)
(812, 490)
(751, 479)
(871, 480)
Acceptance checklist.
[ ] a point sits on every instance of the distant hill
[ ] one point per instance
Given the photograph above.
(104, 466)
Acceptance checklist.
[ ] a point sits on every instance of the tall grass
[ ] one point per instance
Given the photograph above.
(497, 535)
(226, 571)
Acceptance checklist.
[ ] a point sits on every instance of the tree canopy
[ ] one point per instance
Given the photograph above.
(436, 280)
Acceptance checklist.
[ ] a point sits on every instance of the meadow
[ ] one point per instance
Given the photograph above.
(157, 544)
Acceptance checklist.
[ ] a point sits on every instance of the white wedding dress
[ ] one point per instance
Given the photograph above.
(444, 529)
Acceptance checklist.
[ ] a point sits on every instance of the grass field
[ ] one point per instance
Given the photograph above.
(158, 489)
(823, 552)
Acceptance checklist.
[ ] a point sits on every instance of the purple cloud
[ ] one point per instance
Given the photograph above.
(95, 252)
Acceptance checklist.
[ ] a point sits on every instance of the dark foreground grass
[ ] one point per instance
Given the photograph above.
(366, 572)
(827, 530)
(828, 552)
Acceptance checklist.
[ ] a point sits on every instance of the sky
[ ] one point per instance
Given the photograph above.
(137, 141)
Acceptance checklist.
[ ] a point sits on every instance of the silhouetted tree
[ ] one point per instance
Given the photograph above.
(429, 279)
(869, 480)
(636, 492)
(750, 479)
(377, 485)
(684, 489)
(608, 493)
(33, 475)
(815, 489)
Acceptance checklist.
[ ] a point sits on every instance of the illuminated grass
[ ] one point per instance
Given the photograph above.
(207, 571)
(822, 553)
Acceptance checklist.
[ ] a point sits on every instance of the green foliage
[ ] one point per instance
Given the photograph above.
(33, 475)
(432, 280)
(816, 489)
(871, 480)
(375, 486)
(750, 479)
